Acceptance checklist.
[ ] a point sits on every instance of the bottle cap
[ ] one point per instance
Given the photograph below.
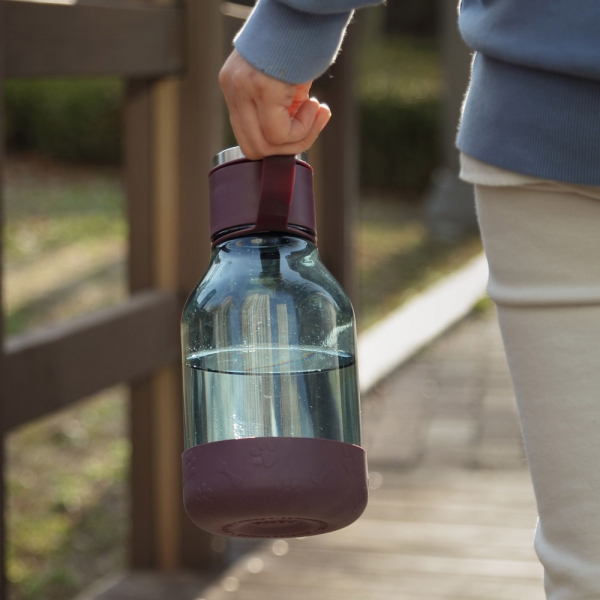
(272, 195)
(235, 153)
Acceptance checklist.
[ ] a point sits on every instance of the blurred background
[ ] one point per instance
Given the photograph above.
(65, 242)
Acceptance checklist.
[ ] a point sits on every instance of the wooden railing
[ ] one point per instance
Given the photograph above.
(173, 117)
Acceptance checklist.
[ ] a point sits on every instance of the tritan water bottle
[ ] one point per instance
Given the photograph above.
(272, 414)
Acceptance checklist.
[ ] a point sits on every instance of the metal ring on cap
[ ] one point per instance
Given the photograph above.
(236, 153)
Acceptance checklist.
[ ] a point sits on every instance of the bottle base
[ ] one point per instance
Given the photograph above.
(274, 487)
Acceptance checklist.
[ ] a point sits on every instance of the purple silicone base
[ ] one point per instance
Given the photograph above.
(274, 487)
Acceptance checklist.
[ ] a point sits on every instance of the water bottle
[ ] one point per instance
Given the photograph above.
(271, 401)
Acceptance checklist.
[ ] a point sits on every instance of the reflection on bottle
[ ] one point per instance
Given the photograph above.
(256, 332)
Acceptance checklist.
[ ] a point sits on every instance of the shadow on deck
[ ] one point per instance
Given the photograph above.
(451, 513)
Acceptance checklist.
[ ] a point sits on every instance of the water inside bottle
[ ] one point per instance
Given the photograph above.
(271, 391)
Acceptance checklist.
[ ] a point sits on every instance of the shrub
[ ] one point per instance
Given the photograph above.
(398, 142)
(66, 119)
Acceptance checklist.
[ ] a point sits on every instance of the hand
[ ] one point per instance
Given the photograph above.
(269, 116)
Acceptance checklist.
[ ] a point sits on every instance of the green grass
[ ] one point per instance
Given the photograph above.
(57, 206)
(398, 258)
(58, 218)
(67, 500)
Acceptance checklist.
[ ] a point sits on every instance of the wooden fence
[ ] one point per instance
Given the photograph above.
(169, 57)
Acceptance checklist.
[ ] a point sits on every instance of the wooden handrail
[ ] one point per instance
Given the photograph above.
(51, 368)
(46, 40)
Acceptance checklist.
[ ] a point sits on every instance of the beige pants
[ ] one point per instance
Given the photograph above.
(542, 240)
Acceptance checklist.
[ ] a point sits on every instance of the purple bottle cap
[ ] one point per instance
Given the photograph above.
(270, 195)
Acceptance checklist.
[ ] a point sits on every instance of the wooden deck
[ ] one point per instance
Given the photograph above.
(451, 513)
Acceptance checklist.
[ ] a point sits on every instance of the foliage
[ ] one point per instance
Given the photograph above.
(399, 94)
(409, 17)
(66, 119)
(398, 143)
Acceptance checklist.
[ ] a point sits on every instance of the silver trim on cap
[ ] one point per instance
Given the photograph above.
(236, 153)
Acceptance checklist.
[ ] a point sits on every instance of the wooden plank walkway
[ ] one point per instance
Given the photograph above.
(451, 513)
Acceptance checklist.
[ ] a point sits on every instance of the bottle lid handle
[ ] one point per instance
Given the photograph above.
(276, 190)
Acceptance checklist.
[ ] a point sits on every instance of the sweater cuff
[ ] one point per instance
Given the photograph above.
(291, 45)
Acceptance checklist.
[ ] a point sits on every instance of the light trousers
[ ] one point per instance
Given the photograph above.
(542, 240)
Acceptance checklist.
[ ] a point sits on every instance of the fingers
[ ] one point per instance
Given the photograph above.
(279, 128)
(255, 144)
(269, 116)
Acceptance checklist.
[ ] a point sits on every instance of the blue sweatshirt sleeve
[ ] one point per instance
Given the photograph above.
(295, 40)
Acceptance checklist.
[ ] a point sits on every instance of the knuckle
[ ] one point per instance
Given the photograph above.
(237, 82)
(255, 78)
(226, 75)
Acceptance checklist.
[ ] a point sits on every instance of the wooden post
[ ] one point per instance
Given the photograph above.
(201, 135)
(200, 138)
(335, 160)
(174, 128)
(138, 173)
(167, 400)
(456, 64)
(450, 201)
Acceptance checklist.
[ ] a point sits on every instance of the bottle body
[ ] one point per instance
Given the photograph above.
(269, 347)
(271, 403)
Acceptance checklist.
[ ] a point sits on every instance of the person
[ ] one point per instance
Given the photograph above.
(530, 143)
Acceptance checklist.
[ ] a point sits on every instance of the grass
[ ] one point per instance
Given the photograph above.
(67, 500)
(398, 258)
(64, 241)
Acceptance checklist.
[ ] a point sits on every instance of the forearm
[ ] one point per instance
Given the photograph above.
(283, 46)
(296, 40)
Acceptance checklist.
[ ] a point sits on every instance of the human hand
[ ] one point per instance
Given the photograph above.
(269, 116)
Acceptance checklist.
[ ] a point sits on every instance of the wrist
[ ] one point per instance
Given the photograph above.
(290, 45)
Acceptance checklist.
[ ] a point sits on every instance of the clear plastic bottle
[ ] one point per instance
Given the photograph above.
(271, 403)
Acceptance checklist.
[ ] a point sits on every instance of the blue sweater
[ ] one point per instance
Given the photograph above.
(533, 105)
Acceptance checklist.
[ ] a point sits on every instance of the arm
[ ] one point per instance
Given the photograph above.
(284, 45)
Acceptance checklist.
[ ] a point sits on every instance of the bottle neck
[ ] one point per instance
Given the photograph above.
(236, 233)
(284, 244)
